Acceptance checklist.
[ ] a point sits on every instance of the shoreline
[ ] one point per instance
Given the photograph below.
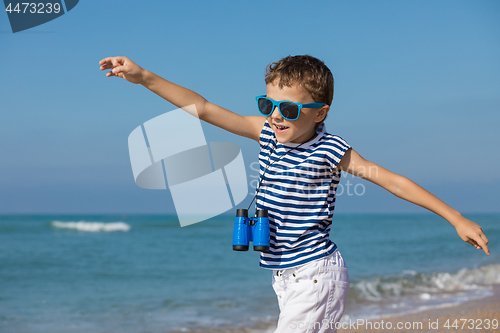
(477, 312)
(427, 321)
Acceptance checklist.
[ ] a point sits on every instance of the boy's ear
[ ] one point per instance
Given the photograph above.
(322, 112)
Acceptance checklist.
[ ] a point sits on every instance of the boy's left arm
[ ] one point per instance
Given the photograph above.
(406, 189)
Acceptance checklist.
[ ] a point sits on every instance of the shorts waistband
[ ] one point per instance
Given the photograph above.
(321, 262)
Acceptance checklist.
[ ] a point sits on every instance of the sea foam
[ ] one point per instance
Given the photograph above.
(413, 292)
(379, 288)
(92, 226)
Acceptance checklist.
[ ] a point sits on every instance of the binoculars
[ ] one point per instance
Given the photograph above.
(255, 229)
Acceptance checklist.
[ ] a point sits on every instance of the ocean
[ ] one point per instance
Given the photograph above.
(144, 273)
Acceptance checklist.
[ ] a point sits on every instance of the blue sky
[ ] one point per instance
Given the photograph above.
(417, 91)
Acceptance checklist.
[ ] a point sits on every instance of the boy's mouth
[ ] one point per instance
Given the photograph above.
(280, 129)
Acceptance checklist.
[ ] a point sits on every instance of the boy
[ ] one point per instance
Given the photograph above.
(300, 168)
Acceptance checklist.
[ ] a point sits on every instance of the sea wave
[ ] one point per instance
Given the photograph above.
(412, 292)
(92, 226)
(424, 285)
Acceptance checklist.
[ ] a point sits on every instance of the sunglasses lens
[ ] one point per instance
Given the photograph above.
(265, 106)
(289, 111)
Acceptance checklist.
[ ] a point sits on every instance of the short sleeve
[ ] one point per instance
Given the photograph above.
(336, 148)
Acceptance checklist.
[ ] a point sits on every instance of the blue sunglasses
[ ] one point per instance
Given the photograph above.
(288, 110)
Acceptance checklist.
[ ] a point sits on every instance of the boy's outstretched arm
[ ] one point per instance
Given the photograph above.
(404, 188)
(247, 126)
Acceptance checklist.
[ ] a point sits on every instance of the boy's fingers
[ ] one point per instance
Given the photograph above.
(483, 241)
(479, 243)
(120, 59)
(472, 242)
(106, 66)
(112, 61)
(117, 70)
(105, 60)
(108, 60)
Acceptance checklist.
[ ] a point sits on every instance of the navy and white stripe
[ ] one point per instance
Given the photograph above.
(299, 193)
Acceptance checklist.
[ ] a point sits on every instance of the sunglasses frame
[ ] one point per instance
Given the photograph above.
(278, 103)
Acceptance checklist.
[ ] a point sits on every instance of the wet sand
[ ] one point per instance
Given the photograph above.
(479, 313)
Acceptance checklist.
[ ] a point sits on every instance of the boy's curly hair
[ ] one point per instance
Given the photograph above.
(307, 71)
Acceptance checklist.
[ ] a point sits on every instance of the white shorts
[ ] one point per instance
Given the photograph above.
(312, 297)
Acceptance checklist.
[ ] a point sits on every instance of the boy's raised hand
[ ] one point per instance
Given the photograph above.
(123, 67)
(472, 233)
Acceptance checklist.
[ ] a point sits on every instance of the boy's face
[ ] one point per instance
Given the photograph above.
(296, 131)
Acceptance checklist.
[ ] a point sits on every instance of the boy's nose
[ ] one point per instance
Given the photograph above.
(276, 113)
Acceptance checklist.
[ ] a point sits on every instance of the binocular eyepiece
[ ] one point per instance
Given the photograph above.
(255, 229)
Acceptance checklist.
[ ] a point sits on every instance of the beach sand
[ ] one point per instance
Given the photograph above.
(477, 312)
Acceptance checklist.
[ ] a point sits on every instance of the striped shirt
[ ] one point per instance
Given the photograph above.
(299, 193)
